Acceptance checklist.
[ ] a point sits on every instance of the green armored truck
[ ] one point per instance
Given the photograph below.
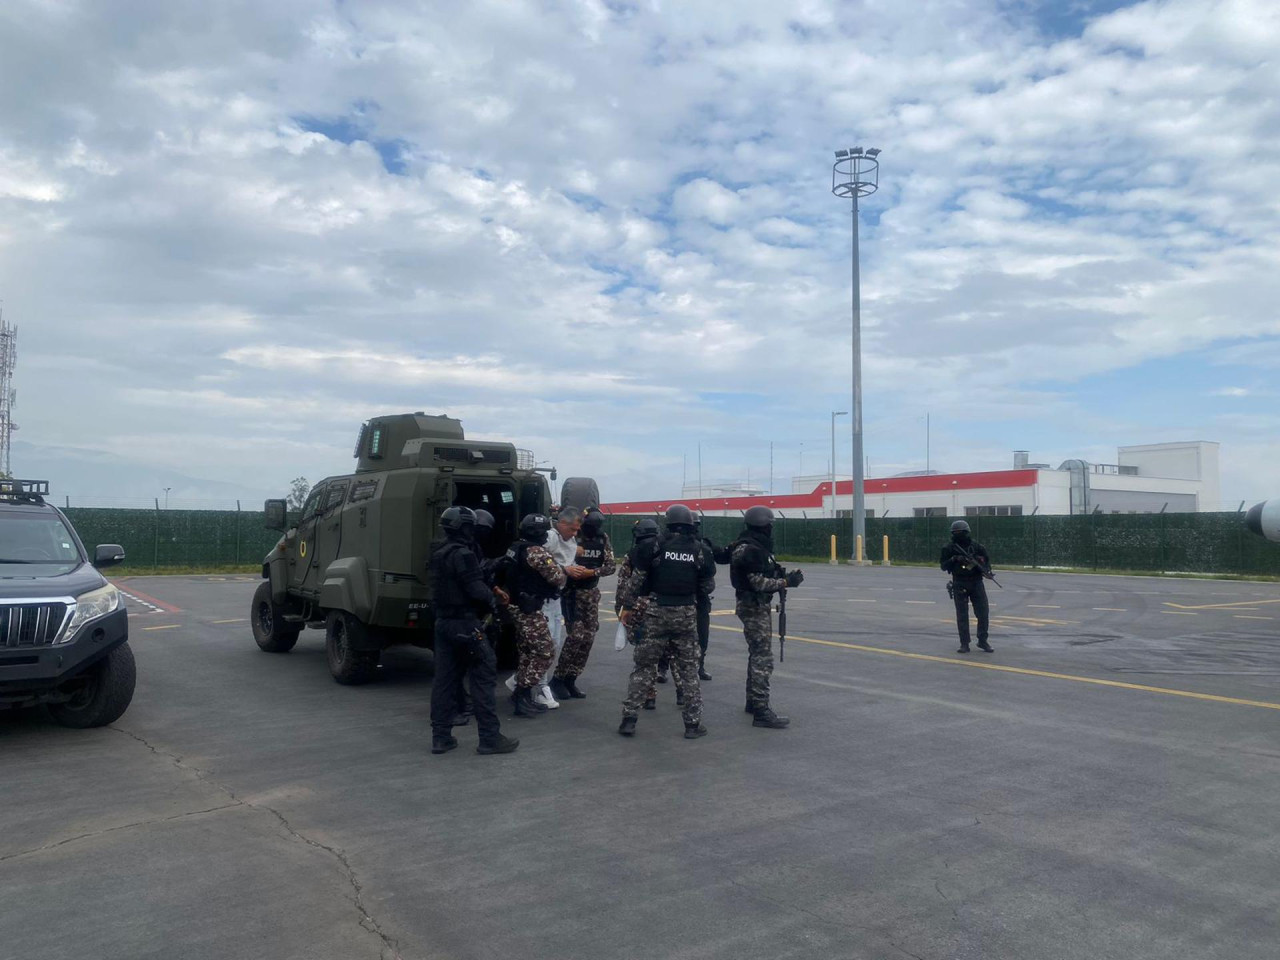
(355, 562)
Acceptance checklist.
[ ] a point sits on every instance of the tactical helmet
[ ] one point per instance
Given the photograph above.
(484, 520)
(593, 522)
(535, 527)
(458, 520)
(960, 526)
(678, 514)
(645, 529)
(758, 516)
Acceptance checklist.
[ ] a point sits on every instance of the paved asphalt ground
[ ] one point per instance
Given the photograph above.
(1103, 786)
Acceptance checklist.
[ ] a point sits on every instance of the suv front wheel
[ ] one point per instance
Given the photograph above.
(348, 663)
(102, 694)
(270, 630)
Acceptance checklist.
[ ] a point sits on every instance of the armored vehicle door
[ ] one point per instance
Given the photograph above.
(301, 577)
(328, 531)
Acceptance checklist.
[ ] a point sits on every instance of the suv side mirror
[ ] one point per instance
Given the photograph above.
(107, 554)
(277, 514)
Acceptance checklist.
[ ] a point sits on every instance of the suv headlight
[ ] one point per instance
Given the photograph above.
(91, 606)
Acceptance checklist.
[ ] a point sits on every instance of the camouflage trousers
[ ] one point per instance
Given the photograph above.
(582, 633)
(757, 628)
(535, 647)
(671, 630)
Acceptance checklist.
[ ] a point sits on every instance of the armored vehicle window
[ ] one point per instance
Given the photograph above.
(364, 490)
(337, 491)
(309, 508)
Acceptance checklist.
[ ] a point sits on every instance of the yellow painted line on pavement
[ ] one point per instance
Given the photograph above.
(237, 620)
(919, 601)
(1245, 616)
(1112, 609)
(1180, 613)
(167, 626)
(1027, 672)
(1219, 606)
(1043, 606)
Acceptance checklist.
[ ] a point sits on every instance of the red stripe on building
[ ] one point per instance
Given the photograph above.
(941, 483)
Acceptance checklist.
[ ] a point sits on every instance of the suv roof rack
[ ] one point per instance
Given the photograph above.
(26, 491)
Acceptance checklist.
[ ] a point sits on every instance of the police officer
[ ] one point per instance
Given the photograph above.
(671, 572)
(641, 531)
(532, 578)
(582, 606)
(461, 648)
(756, 577)
(968, 562)
(720, 555)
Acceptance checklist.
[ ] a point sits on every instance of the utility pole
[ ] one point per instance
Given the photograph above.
(856, 174)
(8, 396)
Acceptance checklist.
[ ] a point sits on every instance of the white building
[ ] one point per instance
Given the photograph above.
(1173, 477)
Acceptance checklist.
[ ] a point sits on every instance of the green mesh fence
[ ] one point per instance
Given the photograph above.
(177, 538)
(1173, 542)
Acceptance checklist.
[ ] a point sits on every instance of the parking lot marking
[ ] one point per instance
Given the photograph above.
(1025, 671)
(861, 601)
(919, 601)
(1245, 616)
(1219, 606)
(237, 620)
(167, 626)
(1112, 609)
(1180, 613)
(1043, 606)
(132, 591)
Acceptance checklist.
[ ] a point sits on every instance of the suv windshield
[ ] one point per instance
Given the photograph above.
(34, 546)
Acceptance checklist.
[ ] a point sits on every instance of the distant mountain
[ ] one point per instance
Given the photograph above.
(89, 478)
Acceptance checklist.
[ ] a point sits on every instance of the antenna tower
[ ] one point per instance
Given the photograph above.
(8, 395)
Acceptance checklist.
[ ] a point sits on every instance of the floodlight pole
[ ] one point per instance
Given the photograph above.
(856, 174)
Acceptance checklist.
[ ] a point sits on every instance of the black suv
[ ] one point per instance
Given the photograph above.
(64, 634)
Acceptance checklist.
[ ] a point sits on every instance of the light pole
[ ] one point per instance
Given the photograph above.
(166, 497)
(856, 174)
(834, 414)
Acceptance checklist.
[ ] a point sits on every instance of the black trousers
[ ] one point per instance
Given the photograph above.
(462, 649)
(975, 592)
(704, 622)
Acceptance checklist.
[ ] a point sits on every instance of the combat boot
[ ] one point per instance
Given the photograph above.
(560, 689)
(627, 727)
(692, 731)
(702, 670)
(985, 647)
(765, 717)
(500, 745)
(443, 744)
(964, 648)
(522, 701)
(679, 698)
(651, 704)
(571, 685)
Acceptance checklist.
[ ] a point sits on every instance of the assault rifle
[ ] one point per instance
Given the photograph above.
(984, 568)
(782, 619)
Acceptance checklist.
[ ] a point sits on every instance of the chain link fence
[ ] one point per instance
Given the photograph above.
(1169, 543)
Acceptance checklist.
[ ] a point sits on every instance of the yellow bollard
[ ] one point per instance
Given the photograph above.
(858, 553)
(886, 552)
(834, 561)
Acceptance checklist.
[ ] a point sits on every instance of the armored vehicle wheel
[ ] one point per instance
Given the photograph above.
(580, 492)
(348, 664)
(270, 630)
(102, 694)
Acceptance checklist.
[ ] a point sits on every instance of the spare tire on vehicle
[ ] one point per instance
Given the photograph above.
(580, 492)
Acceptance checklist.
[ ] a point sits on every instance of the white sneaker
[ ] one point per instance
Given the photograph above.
(511, 683)
(544, 697)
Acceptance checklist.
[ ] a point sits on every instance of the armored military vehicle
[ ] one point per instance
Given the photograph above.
(355, 560)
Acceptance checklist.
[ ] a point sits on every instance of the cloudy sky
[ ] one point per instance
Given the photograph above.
(604, 230)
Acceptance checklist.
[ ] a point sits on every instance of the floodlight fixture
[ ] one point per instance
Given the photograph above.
(873, 151)
(855, 151)
(841, 153)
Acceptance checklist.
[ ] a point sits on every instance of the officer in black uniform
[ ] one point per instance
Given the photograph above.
(461, 599)
(968, 562)
(721, 555)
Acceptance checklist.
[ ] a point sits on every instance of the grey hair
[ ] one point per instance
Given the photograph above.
(568, 515)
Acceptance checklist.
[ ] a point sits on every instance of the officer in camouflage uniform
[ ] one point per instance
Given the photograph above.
(533, 577)
(756, 577)
(461, 599)
(641, 531)
(671, 572)
(582, 606)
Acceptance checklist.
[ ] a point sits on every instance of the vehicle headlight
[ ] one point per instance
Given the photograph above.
(91, 606)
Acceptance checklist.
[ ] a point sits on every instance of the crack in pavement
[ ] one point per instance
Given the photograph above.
(366, 920)
(122, 826)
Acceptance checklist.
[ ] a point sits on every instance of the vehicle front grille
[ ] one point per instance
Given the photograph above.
(31, 624)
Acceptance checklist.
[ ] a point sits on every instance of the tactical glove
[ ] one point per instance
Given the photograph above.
(795, 578)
